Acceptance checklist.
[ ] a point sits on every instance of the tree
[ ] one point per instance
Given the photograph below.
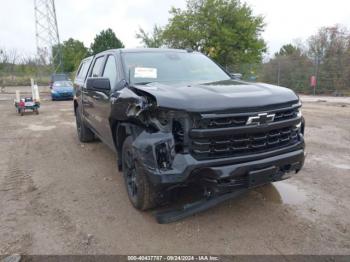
(154, 40)
(8, 60)
(73, 51)
(105, 40)
(226, 30)
(288, 50)
(329, 49)
(291, 67)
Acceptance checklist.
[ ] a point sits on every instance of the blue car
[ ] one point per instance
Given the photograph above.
(62, 90)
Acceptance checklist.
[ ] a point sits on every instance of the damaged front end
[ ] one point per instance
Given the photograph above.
(163, 140)
(159, 134)
(217, 155)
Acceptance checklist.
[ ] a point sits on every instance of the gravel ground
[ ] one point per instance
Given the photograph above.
(58, 196)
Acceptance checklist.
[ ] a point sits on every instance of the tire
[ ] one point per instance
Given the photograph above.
(140, 191)
(84, 133)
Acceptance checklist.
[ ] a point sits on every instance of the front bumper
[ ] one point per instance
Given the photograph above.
(220, 183)
(62, 96)
(223, 173)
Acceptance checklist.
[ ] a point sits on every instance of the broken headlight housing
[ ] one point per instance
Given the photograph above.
(175, 122)
(164, 154)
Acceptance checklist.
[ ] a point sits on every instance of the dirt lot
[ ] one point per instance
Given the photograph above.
(58, 196)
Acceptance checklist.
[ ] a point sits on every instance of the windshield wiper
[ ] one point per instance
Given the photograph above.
(143, 83)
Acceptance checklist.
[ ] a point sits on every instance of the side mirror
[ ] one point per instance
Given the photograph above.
(98, 84)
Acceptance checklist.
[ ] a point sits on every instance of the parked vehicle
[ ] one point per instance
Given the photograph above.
(26, 104)
(176, 119)
(58, 77)
(62, 90)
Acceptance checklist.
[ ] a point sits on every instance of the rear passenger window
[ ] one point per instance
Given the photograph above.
(96, 70)
(84, 69)
(80, 70)
(110, 70)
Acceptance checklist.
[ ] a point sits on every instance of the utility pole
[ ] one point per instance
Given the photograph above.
(316, 72)
(278, 73)
(46, 33)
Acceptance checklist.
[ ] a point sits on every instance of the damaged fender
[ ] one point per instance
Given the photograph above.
(127, 104)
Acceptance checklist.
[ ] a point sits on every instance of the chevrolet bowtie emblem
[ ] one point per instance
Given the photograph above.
(260, 119)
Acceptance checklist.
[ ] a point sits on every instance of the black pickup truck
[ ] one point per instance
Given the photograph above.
(176, 119)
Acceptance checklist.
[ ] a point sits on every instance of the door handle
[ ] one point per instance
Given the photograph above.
(96, 97)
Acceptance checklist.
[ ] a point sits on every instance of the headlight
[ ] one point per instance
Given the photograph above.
(299, 125)
(165, 116)
(299, 114)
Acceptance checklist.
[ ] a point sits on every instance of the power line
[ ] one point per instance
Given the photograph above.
(46, 33)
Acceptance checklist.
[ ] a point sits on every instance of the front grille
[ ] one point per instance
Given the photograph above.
(228, 135)
(242, 144)
(286, 114)
(241, 120)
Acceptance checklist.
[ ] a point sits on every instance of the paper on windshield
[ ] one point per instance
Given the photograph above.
(145, 72)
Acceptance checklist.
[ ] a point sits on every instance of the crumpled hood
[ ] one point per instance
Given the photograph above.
(223, 95)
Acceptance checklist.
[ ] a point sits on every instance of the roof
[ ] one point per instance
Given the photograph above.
(143, 50)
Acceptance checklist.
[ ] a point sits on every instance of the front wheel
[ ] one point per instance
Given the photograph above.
(140, 191)
(84, 133)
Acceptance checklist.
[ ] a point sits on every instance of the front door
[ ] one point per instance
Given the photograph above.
(102, 101)
(90, 97)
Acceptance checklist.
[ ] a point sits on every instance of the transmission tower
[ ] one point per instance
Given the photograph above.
(47, 36)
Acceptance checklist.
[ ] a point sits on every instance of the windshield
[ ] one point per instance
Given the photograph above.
(59, 77)
(170, 66)
(62, 84)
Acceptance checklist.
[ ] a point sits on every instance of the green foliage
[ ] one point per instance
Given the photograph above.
(327, 56)
(226, 30)
(105, 40)
(73, 51)
(154, 40)
(291, 67)
(330, 51)
(289, 50)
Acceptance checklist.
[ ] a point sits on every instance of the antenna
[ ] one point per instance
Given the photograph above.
(46, 32)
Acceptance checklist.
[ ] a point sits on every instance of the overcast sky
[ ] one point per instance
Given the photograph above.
(287, 20)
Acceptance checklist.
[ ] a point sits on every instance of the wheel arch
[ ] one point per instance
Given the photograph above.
(75, 104)
(120, 131)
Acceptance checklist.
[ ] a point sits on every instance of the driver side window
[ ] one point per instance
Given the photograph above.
(110, 70)
(96, 70)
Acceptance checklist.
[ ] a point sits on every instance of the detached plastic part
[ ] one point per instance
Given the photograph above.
(173, 215)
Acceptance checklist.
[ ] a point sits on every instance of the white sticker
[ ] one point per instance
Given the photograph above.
(145, 72)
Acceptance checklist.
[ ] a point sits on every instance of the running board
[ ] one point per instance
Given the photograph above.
(169, 216)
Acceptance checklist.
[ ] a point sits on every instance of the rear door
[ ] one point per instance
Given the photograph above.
(79, 81)
(89, 96)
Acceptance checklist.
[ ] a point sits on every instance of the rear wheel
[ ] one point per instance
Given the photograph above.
(84, 133)
(140, 191)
